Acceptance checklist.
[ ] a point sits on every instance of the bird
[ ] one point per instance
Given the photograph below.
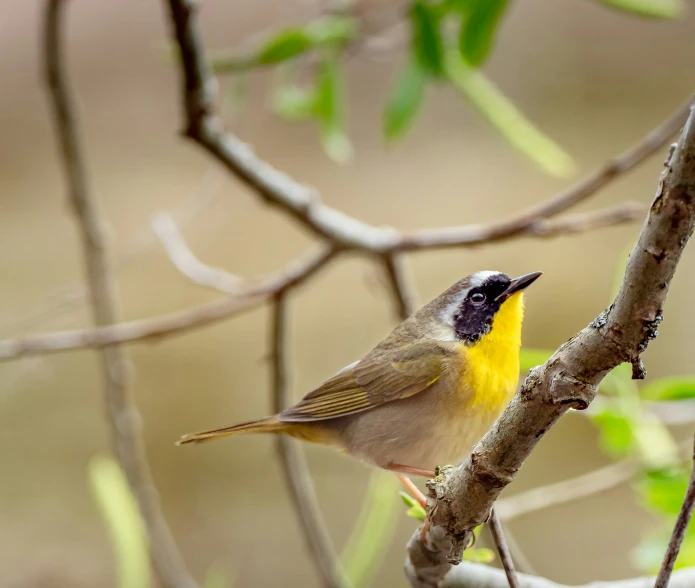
(427, 393)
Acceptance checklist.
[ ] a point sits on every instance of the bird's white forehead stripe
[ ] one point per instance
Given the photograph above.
(479, 278)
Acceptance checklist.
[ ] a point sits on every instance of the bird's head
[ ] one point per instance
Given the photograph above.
(479, 303)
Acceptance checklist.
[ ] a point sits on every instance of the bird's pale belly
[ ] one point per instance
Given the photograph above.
(423, 431)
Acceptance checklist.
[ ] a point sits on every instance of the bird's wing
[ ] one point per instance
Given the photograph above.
(382, 376)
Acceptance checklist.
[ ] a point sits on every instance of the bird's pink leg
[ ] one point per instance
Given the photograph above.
(400, 471)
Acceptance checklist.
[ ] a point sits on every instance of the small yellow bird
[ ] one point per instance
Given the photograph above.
(427, 393)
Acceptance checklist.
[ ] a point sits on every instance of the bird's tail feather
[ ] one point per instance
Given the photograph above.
(266, 425)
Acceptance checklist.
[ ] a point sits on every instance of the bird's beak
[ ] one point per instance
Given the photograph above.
(518, 284)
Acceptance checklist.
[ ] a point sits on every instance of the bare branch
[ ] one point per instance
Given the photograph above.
(572, 489)
(461, 498)
(123, 416)
(570, 197)
(503, 549)
(294, 464)
(187, 263)
(569, 490)
(674, 545)
(173, 323)
(472, 575)
(72, 297)
(540, 226)
(402, 287)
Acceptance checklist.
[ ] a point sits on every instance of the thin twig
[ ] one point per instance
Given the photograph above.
(523, 564)
(503, 549)
(123, 416)
(403, 290)
(674, 545)
(294, 464)
(573, 489)
(72, 297)
(172, 323)
(187, 263)
(566, 491)
(568, 198)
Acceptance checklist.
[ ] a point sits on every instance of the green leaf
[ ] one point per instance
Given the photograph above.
(329, 109)
(283, 46)
(294, 103)
(427, 41)
(648, 8)
(616, 431)
(336, 144)
(481, 555)
(122, 516)
(331, 30)
(673, 388)
(662, 491)
(404, 100)
(478, 30)
(407, 499)
(504, 116)
(654, 442)
(530, 358)
(415, 510)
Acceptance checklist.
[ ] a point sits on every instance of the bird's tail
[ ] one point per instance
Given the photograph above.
(266, 425)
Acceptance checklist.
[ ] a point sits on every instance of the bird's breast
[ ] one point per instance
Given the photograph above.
(489, 376)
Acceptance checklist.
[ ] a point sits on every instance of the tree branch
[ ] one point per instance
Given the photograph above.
(532, 222)
(402, 288)
(173, 323)
(294, 464)
(594, 482)
(461, 498)
(123, 415)
(503, 550)
(187, 263)
(71, 297)
(472, 575)
(674, 545)
(571, 489)
(304, 204)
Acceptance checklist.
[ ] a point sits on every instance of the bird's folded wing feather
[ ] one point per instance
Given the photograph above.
(382, 376)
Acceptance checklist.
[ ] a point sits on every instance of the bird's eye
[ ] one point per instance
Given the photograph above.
(477, 298)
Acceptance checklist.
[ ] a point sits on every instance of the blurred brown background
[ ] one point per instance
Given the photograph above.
(594, 80)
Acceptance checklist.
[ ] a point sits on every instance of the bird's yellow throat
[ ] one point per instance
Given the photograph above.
(492, 363)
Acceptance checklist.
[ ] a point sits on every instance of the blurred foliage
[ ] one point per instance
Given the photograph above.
(373, 531)
(127, 529)
(415, 509)
(450, 40)
(648, 8)
(122, 517)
